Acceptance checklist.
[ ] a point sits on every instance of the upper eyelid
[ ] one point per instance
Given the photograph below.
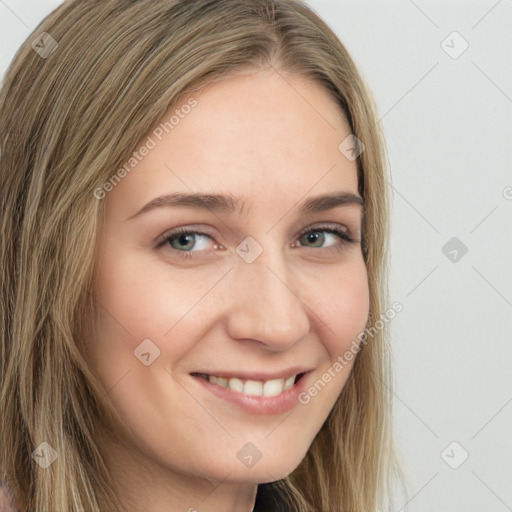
(322, 225)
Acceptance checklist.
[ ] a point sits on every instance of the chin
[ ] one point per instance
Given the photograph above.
(268, 471)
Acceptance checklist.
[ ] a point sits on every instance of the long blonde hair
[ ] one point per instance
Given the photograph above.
(69, 116)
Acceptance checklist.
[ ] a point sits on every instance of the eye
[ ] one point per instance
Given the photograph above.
(185, 241)
(318, 237)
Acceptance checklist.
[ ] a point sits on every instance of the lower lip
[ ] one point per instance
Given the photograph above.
(262, 405)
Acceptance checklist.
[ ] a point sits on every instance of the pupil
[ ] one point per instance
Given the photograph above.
(314, 237)
(184, 239)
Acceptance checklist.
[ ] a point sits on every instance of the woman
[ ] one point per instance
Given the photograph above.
(194, 252)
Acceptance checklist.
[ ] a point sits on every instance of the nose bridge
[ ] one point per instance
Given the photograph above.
(265, 305)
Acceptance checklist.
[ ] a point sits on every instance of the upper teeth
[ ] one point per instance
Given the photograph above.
(253, 387)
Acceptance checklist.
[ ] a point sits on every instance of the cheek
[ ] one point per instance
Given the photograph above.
(344, 310)
(343, 307)
(138, 301)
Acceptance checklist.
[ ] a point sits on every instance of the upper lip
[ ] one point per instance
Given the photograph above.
(263, 376)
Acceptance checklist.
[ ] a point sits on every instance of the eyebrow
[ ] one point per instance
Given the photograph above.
(229, 204)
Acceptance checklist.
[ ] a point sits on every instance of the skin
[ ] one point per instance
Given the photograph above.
(274, 142)
(7, 502)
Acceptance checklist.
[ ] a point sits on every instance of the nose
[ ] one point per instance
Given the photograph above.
(264, 305)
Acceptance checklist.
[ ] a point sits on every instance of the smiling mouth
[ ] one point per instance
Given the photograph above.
(250, 387)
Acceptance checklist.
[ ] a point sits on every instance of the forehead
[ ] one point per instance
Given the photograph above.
(258, 135)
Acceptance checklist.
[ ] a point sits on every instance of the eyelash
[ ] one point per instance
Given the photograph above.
(344, 237)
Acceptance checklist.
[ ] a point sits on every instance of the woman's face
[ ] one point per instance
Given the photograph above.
(247, 289)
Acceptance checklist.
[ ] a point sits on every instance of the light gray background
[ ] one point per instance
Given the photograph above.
(448, 125)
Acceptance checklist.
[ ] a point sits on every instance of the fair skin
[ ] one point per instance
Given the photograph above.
(294, 309)
(7, 502)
